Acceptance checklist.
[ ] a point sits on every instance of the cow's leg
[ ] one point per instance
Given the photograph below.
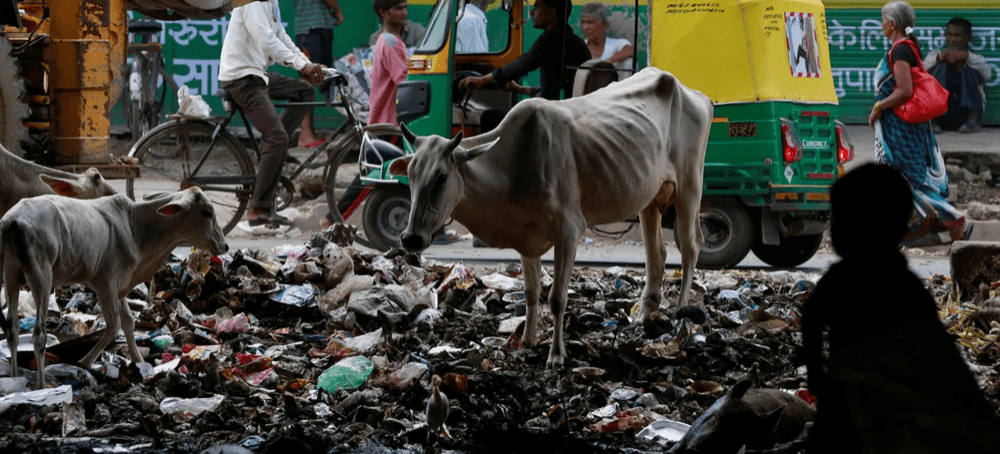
(564, 258)
(656, 255)
(40, 281)
(12, 276)
(689, 233)
(109, 307)
(128, 327)
(532, 269)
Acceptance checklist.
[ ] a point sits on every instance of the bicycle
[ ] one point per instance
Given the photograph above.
(148, 79)
(202, 152)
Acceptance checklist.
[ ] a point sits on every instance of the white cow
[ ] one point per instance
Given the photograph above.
(110, 244)
(23, 179)
(553, 168)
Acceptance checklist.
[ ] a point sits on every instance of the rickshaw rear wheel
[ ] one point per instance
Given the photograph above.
(386, 214)
(727, 230)
(792, 251)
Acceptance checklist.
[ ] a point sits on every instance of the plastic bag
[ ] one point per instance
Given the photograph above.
(192, 105)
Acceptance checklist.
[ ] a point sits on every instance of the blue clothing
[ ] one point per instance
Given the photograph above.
(913, 151)
(963, 87)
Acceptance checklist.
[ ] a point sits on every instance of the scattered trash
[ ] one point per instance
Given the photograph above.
(348, 373)
(190, 407)
(664, 431)
(41, 397)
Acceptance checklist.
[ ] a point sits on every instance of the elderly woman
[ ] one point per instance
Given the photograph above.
(617, 51)
(911, 148)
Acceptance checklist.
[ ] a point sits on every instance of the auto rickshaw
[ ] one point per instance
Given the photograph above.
(776, 144)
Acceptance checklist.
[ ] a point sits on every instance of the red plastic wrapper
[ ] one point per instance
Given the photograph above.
(633, 418)
(246, 358)
(805, 395)
(459, 277)
(167, 357)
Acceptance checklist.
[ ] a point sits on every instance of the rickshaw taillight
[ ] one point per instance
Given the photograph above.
(790, 142)
(845, 148)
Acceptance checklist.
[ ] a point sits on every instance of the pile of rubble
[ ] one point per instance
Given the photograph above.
(332, 349)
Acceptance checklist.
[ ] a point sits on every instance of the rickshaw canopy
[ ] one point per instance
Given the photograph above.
(738, 51)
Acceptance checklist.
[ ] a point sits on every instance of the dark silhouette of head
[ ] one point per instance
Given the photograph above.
(871, 206)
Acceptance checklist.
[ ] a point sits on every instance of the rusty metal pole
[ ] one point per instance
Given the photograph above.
(84, 36)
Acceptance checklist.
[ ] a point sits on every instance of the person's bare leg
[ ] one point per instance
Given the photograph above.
(308, 134)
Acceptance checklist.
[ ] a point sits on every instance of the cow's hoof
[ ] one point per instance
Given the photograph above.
(554, 364)
(656, 324)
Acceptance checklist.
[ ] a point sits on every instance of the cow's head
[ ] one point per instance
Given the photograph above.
(88, 185)
(192, 220)
(436, 185)
(728, 425)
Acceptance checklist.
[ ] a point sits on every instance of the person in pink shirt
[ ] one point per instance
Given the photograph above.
(388, 61)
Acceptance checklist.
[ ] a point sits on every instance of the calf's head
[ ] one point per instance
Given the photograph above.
(191, 216)
(745, 419)
(88, 185)
(436, 184)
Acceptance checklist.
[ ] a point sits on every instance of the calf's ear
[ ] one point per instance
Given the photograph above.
(170, 209)
(62, 186)
(398, 166)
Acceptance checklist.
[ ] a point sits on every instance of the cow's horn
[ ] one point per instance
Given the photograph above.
(456, 140)
(407, 134)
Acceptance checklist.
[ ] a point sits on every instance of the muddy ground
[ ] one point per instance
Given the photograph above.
(256, 332)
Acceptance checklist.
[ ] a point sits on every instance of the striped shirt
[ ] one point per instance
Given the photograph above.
(310, 14)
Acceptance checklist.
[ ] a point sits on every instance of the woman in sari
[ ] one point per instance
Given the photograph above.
(911, 148)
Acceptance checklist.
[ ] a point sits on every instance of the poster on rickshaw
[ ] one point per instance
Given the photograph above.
(803, 50)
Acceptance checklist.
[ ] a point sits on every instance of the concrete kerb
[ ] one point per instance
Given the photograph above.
(976, 151)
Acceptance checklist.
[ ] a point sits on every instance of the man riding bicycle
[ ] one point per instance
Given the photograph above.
(255, 39)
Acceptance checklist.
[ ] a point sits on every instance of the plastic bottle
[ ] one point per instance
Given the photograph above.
(348, 373)
(193, 406)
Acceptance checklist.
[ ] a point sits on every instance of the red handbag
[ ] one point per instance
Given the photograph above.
(929, 100)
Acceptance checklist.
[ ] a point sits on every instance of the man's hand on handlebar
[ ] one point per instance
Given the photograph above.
(474, 82)
(312, 72)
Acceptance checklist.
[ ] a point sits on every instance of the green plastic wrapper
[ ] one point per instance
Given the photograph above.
(348, 373)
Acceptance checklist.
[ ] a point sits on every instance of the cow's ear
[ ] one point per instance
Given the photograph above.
(740, 388)
(61, 186)
(398, 166)
(461, 155)
(170, 209)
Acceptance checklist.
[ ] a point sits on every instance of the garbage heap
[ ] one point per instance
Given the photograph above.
(335, 347)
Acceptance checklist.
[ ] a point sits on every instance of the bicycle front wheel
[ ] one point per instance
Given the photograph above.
(343, 170)
(181, 154)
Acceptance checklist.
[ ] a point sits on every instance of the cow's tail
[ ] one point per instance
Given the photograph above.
(12, 235)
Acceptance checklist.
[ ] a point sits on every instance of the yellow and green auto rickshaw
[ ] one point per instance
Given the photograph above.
(776, 145)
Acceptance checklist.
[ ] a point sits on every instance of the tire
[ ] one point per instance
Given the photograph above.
(728, 233)
(13, 110)
(168, 153)
(792, 251)
(342, 166)
(386, 213)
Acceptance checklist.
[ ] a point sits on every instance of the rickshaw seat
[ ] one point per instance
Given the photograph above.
(593, 75)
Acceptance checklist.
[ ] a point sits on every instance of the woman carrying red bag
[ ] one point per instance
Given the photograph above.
(911, 148)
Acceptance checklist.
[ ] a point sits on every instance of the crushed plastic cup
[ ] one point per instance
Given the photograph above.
(41, 397)
(194, 406)
(502, 282)
(365, 342)
(348, 373)
(493, 342)
(664, 431)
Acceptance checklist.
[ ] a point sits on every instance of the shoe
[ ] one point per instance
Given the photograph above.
(314, 144)
(268, 219)
(447, 238)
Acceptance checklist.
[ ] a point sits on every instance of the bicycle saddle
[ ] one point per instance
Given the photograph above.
(144, 25)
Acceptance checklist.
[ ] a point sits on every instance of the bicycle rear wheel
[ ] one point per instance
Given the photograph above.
(170, 153)
(343, 169)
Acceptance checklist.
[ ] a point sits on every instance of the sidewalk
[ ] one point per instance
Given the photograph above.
(982, 148)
